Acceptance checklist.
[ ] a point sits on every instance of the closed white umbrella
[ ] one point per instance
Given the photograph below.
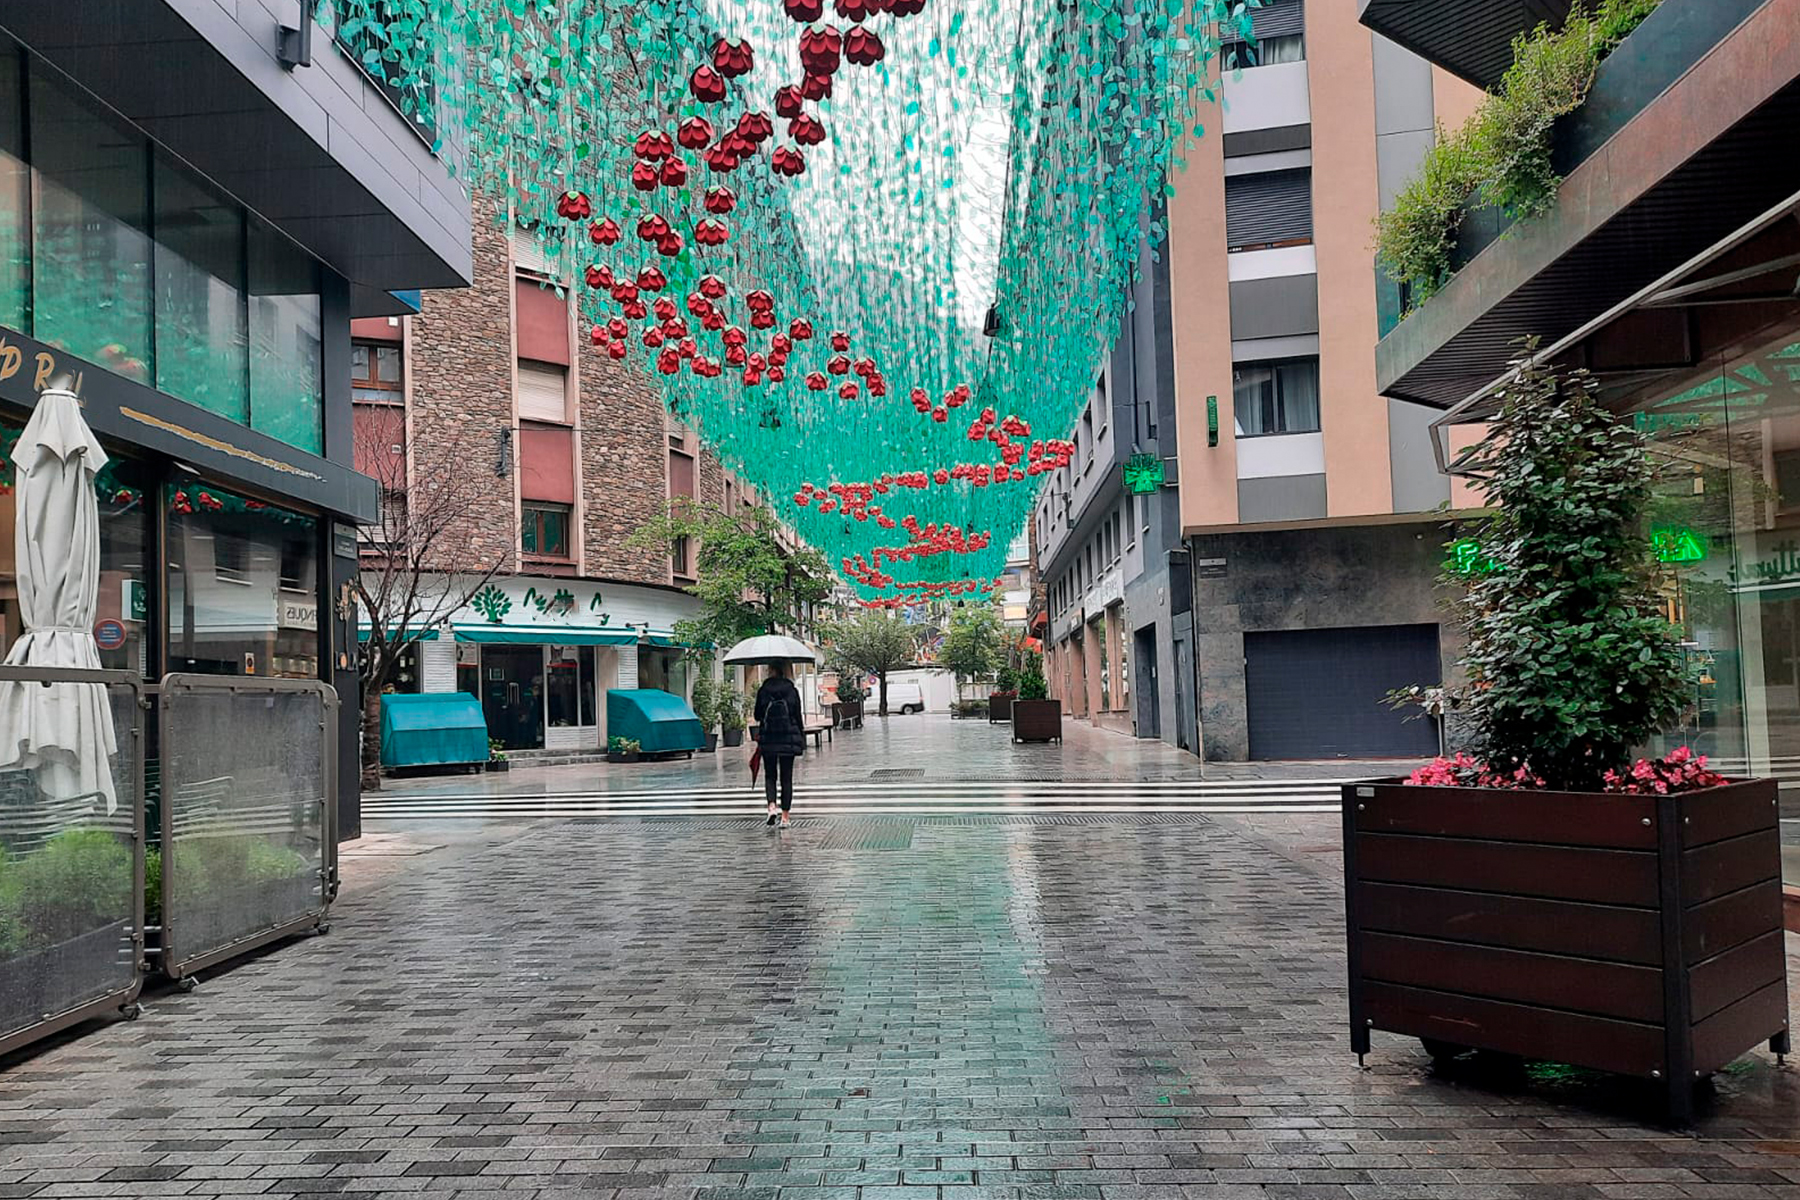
(768, 648)
(63, 732)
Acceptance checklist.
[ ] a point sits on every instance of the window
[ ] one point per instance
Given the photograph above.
(201, 342)
(544, 530)
(681, 485)
(1268, 209)
(569, 686)
(1087, 429)
(287, 362)
(678, 558)
(1276, 397)
(543, 392)
(231, 608)
(375, 373)
(1280, 30)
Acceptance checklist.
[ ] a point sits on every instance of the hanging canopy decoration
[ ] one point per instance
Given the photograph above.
(876, 251)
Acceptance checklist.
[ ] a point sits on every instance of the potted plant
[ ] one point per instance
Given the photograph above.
(623, 750)
(66, 911)
(1538, 894)
(851, 695)
(1006, 690)
(497, 760)
(705, 704)
(1035, 717)
(731, 716)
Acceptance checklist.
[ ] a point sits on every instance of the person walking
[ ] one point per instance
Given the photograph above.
(779, 738)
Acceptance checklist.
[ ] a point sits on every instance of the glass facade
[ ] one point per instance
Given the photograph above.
(118, 255)
(1726, 526)
(243, 584)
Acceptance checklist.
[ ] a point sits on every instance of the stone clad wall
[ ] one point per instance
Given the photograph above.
(459, 364)
(624, 466)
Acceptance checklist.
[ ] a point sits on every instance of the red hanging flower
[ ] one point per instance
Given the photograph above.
(840, 341)
(816, 381)
(653, 337)
(759, 300)
(604, 233)
(788, 101)
(669, 244)
(599, 277)
(762, 319)
(665, 309)
(940, 415)
(862, 47)
(651, 279)
(695, 133)
(815, 87)
(709, 231)
(734, 337)
(706, 85)
(806, 130)
(674, 172)
(838, 365)
(787, 161)
(853, 10)
(712, 287)
(617, 327)
(720, 158)
(720, 199)
(821, 49)
(669, 361)
(654, 144)
(651, 228)
(573, 206)
(804, 10)
(733, 58)
(848, 391)
(636, 310)
(755, 128)
(800, 330)
(643, 177)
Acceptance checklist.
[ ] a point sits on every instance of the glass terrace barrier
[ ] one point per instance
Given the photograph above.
(71, 839)
(247, 797)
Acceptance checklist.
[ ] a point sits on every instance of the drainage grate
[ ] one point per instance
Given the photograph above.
(897, 773)
(893, 832)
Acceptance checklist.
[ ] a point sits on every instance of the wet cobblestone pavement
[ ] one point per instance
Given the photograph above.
(865, 1008)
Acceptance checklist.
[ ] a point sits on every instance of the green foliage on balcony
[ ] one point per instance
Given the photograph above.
(1502, 156)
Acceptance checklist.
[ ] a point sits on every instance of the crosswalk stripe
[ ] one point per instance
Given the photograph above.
(914, 797)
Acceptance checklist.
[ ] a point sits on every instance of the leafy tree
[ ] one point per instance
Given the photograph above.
(974, 646)
(872, 643)
(748, 581)
(1571, 662)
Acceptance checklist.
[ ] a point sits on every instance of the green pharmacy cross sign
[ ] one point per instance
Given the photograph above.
(1678, 545)
(1143, 473)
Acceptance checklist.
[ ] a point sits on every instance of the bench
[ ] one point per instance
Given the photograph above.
(812, 729)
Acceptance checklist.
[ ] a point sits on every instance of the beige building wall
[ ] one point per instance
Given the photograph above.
(1352, 416)
(1200, 317)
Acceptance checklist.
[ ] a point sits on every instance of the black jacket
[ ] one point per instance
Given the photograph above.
(793, 741)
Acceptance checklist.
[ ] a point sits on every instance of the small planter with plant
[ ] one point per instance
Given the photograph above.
(1035, 717)
(1539, 894)
(851, 694)
(66, 913)
(705, 703)
(731, 716)
(623, 750)
(1006, 690)
(497, 760)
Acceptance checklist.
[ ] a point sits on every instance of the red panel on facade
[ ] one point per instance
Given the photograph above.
(380, 431)
(543, 323)
(546, 463)
(375, 329)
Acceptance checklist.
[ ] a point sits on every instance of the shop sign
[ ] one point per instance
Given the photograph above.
(299, 614)
(134, 600)
(1677, 544)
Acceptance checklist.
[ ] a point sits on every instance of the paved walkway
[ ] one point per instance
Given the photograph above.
(913, 764)
(865, 1008)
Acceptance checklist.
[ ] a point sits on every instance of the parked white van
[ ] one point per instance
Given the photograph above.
(904, 698)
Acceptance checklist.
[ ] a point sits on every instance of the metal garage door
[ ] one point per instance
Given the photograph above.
(1318, 693)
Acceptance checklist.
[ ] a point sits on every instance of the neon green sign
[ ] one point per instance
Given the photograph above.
(1677, 544)
(1143, 473)
(1466, 558)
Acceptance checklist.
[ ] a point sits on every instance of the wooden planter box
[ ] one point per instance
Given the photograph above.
(1037, 720)
(1635, 934)
(1000, 707)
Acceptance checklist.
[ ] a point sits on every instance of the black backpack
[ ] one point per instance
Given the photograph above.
(777, 721)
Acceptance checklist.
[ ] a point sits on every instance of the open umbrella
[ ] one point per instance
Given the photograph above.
(769, 648)
(63, 732)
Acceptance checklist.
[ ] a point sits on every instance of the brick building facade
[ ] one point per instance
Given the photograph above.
(557, 455)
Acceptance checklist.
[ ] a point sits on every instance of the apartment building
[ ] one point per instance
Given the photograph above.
(562, 455)
(1308, 501)
(1241, 560)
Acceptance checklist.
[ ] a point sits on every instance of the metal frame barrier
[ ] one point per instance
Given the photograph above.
(81, 1003)
(184, 953)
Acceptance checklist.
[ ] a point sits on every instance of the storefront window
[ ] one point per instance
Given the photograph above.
(243, 585)
(91, 247)
(124, 490)
(286, 371)
(663, 669)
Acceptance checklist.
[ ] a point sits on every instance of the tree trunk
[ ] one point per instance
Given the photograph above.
(371, 739)
(881, 681)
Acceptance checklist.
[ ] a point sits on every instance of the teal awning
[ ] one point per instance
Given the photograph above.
(527, 635)
(423, 635)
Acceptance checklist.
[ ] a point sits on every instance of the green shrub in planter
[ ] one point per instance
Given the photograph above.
(77, 881)
(1571, 661)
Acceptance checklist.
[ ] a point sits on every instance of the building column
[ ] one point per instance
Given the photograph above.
(1115, 650)
(1094, 642)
